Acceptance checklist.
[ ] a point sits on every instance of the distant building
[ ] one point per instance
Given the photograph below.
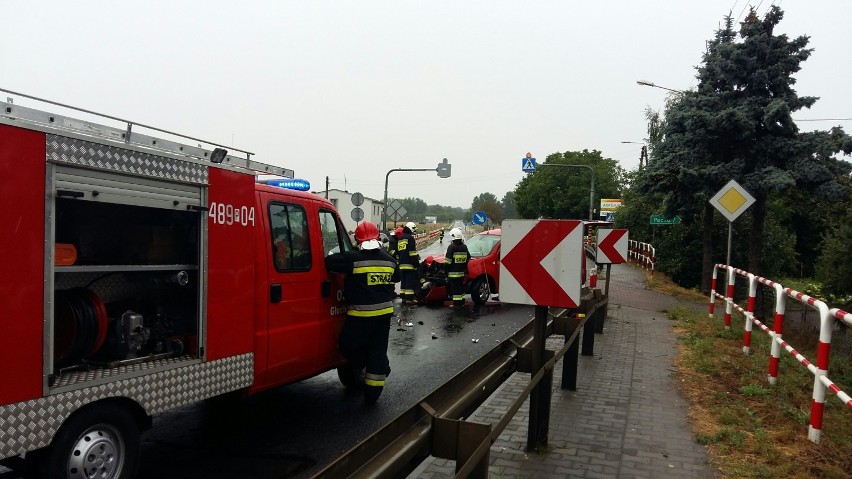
(342, 200)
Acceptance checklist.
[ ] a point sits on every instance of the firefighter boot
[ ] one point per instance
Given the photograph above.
(373, 385)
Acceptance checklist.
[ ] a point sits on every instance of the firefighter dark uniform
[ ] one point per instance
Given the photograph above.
(456, 263)
(369, 293)
(431, 274)
(393, 242)
(409, 261)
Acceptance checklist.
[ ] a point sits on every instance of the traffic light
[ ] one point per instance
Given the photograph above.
(444, 169)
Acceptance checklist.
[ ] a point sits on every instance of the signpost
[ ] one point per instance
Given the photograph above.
(542, 266)
(732, 200)
(542, 262)
(479, 218)
(612, 249)
(528, 164)
(662, 220)
(609, 205)
(357, 213)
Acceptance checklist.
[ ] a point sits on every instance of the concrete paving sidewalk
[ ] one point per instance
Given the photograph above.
(627, 418)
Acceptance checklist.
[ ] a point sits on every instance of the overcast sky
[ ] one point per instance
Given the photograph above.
(353, 89)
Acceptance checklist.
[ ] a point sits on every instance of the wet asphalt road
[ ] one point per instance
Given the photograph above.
(296, 430)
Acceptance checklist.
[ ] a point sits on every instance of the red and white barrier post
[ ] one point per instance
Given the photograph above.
(713, 291)
(752, 294)
(820, 369)
(730, 294)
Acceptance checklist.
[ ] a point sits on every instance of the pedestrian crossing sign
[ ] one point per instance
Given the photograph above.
(528, 165)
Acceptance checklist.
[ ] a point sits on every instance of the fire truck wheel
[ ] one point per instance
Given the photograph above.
(99, 441)
(480, 291)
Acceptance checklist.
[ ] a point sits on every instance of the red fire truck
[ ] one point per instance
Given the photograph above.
(140, 274)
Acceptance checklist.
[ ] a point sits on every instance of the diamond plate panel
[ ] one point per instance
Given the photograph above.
(29, 425)
(106, 157)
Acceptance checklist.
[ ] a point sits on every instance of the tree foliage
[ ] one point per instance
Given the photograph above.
(563, 192)
(834, 267)
(488, 203)
(509, 206)
(738, 125)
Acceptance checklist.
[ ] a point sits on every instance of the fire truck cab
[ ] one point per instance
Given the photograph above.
(140, 274)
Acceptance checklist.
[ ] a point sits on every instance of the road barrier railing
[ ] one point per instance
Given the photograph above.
(437, 425)
(826, 315)
(643, 254)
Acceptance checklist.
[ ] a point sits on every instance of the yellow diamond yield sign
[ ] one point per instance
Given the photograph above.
(732, 200)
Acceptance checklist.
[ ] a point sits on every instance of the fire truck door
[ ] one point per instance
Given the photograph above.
(293, 322)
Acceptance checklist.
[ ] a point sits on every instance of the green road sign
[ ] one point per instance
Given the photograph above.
(662, 220)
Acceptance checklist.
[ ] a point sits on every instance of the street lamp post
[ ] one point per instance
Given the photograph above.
(443, 169)
(591, 189)
(652, 84)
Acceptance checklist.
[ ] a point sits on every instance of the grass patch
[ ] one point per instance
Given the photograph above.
(750, 428)
(663, 284)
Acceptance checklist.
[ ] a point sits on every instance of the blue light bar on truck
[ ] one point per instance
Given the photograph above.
(292, 184)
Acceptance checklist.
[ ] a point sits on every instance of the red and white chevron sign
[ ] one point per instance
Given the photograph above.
(612, 246)
(542, 262)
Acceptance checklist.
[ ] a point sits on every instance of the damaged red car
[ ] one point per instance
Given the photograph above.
(483, 271)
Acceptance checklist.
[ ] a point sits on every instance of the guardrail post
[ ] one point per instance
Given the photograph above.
(599, 315)
(823, 351)
(653, 259)
(539, 423)
(749, 318)
(588, 348)
(570, 363)
(777, 332)
(729, 306)
(713, 291)
(471, 435)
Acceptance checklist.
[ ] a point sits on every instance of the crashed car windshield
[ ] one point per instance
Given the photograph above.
(481, 244)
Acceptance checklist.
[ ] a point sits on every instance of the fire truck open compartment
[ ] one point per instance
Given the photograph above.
(126, 274)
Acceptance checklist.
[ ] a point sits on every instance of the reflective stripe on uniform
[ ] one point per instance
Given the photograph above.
(456, 274)
(373, 269)
(370, 314)
(370, 310)
(374, 379)
(406, 266)
(459, 297)
(373, 262)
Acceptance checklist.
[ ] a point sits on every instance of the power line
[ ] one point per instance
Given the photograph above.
(822, 119)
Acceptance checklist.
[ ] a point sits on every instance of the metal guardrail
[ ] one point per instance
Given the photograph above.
(435, 426)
